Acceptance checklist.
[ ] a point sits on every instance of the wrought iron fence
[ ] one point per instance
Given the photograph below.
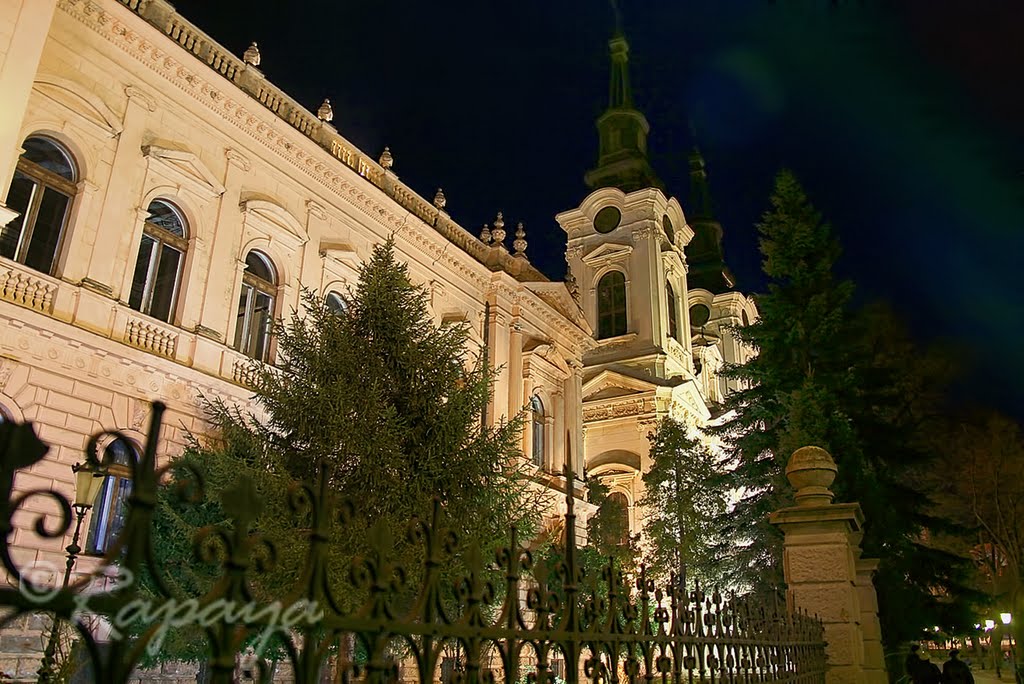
(514, 629)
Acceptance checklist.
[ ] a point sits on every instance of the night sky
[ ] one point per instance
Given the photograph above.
(904, 120)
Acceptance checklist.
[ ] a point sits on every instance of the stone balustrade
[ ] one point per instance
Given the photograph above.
(161, 14)
(26, 287)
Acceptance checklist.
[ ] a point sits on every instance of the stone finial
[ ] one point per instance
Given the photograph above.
(251, 56)
(440, 200)
(499, 230)
(485, 235)
(386, 161)
(811, 471)
(519, 244)
(326, 112)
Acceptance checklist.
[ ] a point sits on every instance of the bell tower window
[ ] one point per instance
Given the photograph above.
(611, 305)
(670, 300)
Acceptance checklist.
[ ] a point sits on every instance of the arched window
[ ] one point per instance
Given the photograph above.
(110, 509)
(611, 305)
(41, 192)
(673, 324)
(161, 256)
(537, 409)
(335, 303)
(618, 515)
(256, 307)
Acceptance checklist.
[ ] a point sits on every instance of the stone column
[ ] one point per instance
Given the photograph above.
(515, 368)
(823, 570)
(26, 26)
(874, 654)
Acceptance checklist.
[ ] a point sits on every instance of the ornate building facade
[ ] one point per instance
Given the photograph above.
(162, 201)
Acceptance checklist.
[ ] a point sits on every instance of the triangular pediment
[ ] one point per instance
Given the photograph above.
(607, 252)
(610, 384)
(185, 168)
(687, 399)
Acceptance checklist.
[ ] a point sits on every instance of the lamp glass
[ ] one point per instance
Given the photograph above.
(87, 484)
(1005, 618)
(990, 624)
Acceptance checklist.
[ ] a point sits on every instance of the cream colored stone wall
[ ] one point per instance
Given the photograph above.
(144, 120)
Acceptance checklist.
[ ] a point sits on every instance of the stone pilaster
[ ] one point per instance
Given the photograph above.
(825, 575)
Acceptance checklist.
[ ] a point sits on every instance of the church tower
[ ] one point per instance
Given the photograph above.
(625, 253)
(707, 269)
(626, 244)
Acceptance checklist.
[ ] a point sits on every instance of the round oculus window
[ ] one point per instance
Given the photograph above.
(607, 220)
(699, 315)
(666, 225)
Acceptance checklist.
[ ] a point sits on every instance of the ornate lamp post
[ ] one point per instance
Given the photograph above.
(88, 483)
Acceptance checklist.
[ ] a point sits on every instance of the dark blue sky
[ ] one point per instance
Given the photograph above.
(904, 120)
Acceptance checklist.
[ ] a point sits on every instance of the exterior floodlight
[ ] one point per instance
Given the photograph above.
(1005, 618)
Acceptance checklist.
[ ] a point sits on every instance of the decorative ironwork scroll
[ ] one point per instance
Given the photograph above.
(518, 628)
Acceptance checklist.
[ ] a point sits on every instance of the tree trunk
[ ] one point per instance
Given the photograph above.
(344, 657)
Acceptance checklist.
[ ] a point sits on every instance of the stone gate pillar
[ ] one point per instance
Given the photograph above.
(825, 574)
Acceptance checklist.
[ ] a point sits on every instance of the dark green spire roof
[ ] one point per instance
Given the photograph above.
(622, 159)
(704, 256)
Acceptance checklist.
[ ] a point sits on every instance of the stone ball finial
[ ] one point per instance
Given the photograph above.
(439, 199)
(251, 56)
(499, 230)
(519, 244)
(386, 161)
(326, 111)
(485, 235)
(811, 471)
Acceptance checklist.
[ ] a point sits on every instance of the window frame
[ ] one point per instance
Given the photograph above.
(537, 423)
(612, 321)
(673, 315)
(252, 286)
(46, 180)
(110, 502)
(161, 237)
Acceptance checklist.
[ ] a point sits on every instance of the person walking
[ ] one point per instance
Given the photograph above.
(914, 665)
(930, 672)
(956, 671)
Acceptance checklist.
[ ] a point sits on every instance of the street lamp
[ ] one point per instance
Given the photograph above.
(1005, 618)
(88, 482)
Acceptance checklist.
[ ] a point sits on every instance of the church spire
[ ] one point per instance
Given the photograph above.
(622, 159)
(704, 256)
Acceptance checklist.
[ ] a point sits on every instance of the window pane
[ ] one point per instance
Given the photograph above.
(263, 311)
(46, 231)
(120, 511)
(241, 339)
(163, 215)
(335, 303)
(100, 523)
(257, 265)
(165, 283)
(48, 155)
(142, 266)
(19, 198)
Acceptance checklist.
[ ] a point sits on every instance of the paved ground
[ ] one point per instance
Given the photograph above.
(989, 676)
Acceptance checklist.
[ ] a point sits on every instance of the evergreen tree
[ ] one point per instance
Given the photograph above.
(389, 406)
(799, 343)
(681, 504)
(854, 384)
